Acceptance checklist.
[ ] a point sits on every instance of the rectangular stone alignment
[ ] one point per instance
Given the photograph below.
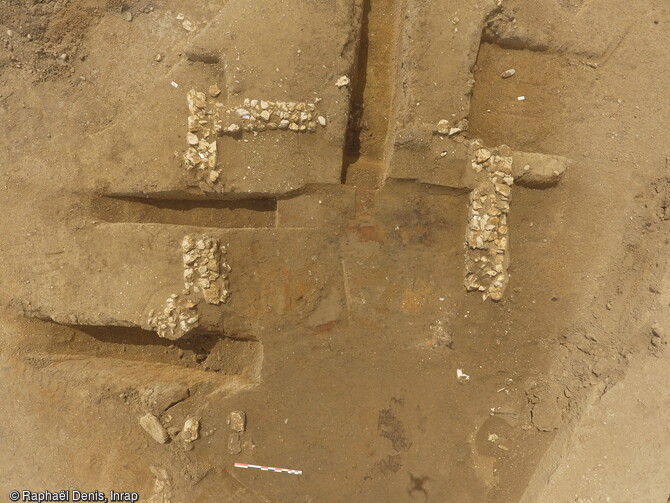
(486, 237)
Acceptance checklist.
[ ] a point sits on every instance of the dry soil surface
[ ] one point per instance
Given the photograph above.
(331, 179)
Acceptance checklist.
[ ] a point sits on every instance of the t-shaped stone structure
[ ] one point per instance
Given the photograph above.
(493, 173)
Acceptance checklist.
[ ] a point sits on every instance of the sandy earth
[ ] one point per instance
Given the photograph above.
(348, 321)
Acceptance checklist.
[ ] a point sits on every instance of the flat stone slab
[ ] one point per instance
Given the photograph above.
(538, 171)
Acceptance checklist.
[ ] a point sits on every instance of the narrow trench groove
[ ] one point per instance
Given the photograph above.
(247, 213)
(210, 352)
(352, 147)
(371, 111)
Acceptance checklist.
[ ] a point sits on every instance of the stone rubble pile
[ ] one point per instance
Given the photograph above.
(486, 238)
(206, 272)
(260, 115)
(177, 319)
(201, 138)
(204, 268)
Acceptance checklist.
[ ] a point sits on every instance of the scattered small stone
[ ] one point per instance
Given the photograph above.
(462, 376)
(493, 438)
(342, 81)
(189, 432)
(10, 33)
(129, 16)
(63, 57)
(455, 130)
(214, 91)
(152, 425)
(609, 305)
(234, 444)
(159, 58)
(443, 127)
(180, 17)
(188, 26)
(237, 421)
(657, 331)
(321, 120)
(508, 73)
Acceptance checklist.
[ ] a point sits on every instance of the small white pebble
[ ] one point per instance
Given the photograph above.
(342, 81)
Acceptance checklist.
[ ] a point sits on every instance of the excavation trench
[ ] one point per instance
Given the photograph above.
(208, 352)
(367, 147)
(247, 213)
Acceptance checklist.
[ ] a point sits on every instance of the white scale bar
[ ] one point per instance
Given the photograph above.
(268, 468)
